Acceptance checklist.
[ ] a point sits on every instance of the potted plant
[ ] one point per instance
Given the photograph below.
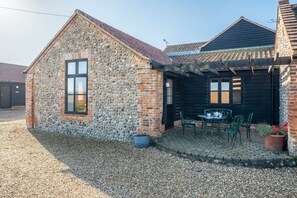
(274, 136)
(141, 140)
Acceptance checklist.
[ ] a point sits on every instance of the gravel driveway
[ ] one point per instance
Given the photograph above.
(40, 164)
(12, 114)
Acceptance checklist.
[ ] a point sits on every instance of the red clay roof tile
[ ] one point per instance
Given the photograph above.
(143, 48)
(184, 47)
(236, 54)
(288, 13)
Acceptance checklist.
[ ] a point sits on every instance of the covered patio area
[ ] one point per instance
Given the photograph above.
(213, 148)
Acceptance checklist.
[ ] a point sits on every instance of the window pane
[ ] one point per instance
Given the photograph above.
(236, 90)
(82, 67)
(169, 100)
(225, 86)
(214, 86)
(81, 103)
(70, 86)
(225, 97)
(236, 97)
(81, 85)
(169, 91)
(214, 97)
(71, 68)
(169, 95)
(70, 103)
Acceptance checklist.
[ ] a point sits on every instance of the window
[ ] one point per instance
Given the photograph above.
(76, 86)
(225, 91)
(236, 85)
(220, 91)
(214, 91)
(169, 85)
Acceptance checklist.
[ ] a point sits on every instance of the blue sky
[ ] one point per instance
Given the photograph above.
(24, 35)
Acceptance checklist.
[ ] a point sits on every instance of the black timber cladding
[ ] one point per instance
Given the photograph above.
(257, 96)
(17, 93)
(178, 96)
(243, 34)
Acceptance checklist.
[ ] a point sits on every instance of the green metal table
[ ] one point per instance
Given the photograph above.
(212, 120)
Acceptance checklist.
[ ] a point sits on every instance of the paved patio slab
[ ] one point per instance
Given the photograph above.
(213, 148)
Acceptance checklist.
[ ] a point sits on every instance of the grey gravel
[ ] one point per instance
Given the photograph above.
(42, 164)
(17, 113)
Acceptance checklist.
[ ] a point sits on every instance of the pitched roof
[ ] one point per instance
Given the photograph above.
(12, 73)
(242, 33)
(230, 55)
(289, 15)
(184, 47)
(145, 49)
(134, 44)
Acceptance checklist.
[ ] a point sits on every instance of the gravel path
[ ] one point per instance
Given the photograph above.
(49, 165)
(12, 114)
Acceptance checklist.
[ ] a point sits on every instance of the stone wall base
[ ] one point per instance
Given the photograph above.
(292, 147)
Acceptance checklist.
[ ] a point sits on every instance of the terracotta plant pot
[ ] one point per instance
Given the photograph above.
(274, 142)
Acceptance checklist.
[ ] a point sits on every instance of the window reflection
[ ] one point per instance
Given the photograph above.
(71, 68)
(81, 86)
(82, 67)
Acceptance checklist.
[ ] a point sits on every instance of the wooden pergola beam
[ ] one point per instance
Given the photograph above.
(199, 67)
(232, 70)
(252, 70)
(270, 68)
(175, 70)
(214, 71)
(192, 68)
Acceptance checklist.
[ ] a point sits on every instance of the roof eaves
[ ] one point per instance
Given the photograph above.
(239, 49)
(184, 53)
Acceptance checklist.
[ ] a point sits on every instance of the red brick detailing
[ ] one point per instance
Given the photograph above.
(30, 120)
(76, 117)
(292, 114)
(150, 101)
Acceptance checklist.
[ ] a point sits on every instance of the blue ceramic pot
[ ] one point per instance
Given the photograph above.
(141, 141)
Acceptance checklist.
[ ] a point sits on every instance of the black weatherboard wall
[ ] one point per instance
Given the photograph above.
(242, 35)
(17, 91)
(258, 95)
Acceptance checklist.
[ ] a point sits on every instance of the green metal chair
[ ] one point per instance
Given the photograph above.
(235, 128)
(247, 124)
(187, 123)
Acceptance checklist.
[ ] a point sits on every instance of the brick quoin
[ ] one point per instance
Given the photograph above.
(292, 110)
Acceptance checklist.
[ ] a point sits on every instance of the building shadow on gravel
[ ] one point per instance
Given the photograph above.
(114, 168)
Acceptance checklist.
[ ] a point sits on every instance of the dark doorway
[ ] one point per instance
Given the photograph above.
(170, 107)
(5, 100)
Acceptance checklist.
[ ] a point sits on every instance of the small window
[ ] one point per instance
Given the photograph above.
(169, 85)
(214, 91)
(76, 86)
(225, 91)
(220, 91)
(236, 85)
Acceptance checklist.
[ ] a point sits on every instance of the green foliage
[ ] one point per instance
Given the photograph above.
(264, 129)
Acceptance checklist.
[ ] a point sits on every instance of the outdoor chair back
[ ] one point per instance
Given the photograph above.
(235, 128)
(187, 123)
(247, 124)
